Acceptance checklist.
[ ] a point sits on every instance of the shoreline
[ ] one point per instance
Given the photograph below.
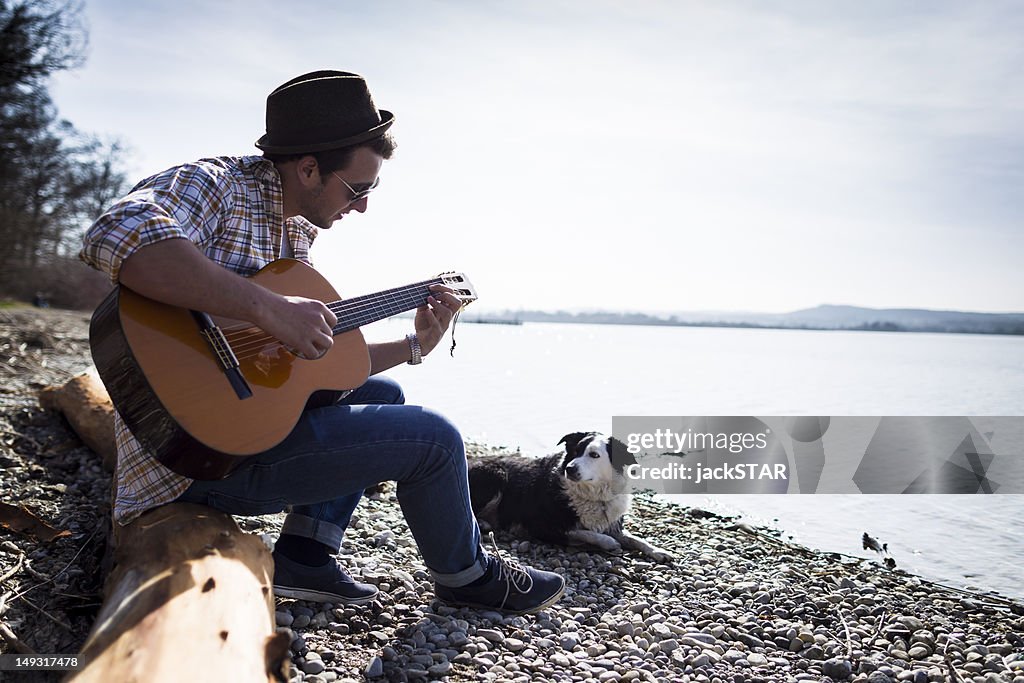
(737, 604)
(835, 522)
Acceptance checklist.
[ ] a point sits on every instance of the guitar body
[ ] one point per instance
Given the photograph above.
(171, 389)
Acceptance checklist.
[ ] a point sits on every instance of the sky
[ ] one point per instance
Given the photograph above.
(613, 155)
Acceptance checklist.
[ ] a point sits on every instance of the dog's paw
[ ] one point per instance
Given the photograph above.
(609, 545)
(659, 555)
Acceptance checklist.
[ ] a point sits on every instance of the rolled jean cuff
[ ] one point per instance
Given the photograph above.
(467, 575)
(317, 529)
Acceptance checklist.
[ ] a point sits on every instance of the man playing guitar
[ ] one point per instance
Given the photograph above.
(192, 237)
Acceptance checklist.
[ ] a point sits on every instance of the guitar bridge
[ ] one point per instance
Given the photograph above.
(218, 343)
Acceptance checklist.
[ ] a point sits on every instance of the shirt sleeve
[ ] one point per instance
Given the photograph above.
(185, 202)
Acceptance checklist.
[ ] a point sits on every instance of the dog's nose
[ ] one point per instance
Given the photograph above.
(573, 472)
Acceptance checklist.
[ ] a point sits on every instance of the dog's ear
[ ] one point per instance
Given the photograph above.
(619, 453)
(571, 441)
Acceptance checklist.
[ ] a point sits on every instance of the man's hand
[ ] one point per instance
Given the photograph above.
(303, 325)
(434, 317)
(175, 272)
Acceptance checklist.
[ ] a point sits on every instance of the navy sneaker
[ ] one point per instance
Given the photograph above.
(327, 583)
(506, 586)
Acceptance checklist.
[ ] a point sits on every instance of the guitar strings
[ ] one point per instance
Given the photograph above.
(343, 306)
(252, 336)
(258, 342)
(243, 330)
(251, 341)
(248, 342)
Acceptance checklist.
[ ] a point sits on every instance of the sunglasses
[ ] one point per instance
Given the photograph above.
(358, 194)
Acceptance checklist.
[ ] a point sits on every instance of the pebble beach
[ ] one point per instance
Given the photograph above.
(737, 604)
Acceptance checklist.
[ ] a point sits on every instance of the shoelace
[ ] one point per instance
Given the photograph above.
(512, 572)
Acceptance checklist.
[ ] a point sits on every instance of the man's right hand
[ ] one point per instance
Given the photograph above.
(175, 272)
(303, 325)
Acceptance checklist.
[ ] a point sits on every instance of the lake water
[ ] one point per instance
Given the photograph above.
(526, 386)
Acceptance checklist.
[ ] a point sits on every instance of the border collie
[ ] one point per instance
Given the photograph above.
(575, 498)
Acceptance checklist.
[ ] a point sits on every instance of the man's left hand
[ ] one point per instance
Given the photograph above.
(434, 317)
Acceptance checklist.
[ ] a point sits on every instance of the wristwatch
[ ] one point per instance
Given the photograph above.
(414, 347)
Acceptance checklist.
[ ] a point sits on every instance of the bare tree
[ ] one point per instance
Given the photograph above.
(39, 38)
(53, 178)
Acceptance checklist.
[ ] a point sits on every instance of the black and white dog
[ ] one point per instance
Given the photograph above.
(575, 498)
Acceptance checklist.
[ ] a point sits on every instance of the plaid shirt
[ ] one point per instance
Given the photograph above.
(231, 208)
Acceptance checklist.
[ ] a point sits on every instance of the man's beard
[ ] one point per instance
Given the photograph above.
(312, 210)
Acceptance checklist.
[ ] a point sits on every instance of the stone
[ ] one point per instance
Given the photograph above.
(813, 652)
(750, 641)
(911, 623)
(491, 635)
(439, 669)
(515, 644)
(661, 631)
(837, 669)
(757, 659)
(313, 666)
(559, 660)
(422, 660)
(375, 668)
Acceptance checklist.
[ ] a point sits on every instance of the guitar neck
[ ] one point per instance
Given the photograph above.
(369, 308)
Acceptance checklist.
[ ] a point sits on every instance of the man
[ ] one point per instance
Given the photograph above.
(187, 237)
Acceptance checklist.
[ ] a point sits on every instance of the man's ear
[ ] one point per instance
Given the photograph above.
(307, 171)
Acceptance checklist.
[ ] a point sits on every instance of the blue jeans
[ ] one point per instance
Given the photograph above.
(336, 452)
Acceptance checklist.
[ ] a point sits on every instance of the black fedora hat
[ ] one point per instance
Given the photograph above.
(321, 110)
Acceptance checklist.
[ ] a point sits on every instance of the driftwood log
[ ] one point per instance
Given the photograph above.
(189, 595)
(87, 407)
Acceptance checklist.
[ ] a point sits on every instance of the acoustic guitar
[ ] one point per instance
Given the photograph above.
(203, 393)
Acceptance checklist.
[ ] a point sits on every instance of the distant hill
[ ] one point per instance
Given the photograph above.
(825, 317)
(912, 319)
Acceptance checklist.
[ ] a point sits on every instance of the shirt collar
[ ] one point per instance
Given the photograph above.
(264, 170)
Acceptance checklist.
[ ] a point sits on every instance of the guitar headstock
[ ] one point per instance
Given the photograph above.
(464, 289)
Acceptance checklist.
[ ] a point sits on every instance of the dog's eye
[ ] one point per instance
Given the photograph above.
(594, 454)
